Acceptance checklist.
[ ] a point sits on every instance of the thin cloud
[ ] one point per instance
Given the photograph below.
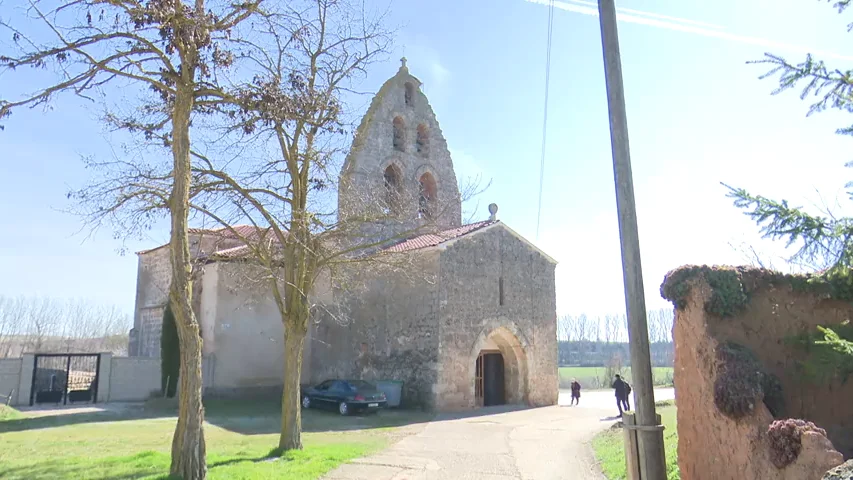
(683, 25)
(645, 14)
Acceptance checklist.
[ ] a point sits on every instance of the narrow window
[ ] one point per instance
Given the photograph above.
(410, 94)
(426, 199)
(393, 188)
(423, 140)
(501, 291)
(399, 134)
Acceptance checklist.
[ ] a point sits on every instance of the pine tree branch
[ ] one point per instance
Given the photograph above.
(824, 240)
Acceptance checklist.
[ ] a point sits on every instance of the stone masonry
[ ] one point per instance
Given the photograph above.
(457, 291)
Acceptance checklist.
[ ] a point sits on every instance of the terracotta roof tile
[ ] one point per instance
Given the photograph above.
(433, 239)
(242, 230)
(222, 233)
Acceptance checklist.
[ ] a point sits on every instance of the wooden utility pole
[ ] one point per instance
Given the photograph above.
(649, 433)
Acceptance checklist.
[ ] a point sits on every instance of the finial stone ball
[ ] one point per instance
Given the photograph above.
(493, 208)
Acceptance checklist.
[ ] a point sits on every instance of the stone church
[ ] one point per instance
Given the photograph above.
(482, 332)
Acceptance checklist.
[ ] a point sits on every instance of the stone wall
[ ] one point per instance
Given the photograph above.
(152, 293)
(733, 353)
(474, 273)
(385, 330)
(154, 274)
(362, 186)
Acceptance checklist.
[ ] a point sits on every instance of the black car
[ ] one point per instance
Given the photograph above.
(345, 396)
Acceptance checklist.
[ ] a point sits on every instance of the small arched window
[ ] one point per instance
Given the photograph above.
(410, 94)
(426, 199)
(393, 188)
(399, 134)
(423, 140)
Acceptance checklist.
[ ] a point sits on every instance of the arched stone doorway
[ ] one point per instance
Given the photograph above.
(498, 366)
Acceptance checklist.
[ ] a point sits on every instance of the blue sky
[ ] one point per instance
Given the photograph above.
(697, 113)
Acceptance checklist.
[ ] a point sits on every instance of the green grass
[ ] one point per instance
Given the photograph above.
(594, 377)
(609, 447)
(135, 445)
(9, 413)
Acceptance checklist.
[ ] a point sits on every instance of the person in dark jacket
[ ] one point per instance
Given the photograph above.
(621, 390)
(576, 392)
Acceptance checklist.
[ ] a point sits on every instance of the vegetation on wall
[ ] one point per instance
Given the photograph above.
(728, 294)
(170, 354)
(828, 353)
(741, 383)
(785, 438)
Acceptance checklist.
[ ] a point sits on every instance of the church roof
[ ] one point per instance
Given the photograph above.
(439, 239)
(221, 234)
(434, 239)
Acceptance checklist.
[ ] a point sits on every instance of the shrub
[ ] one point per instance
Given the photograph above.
(728, 293)
(170, 354)
(786, 440)
(740, 383)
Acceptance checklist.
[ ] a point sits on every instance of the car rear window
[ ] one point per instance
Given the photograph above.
(361, 385)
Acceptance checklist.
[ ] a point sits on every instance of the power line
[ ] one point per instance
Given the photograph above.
(545, 120)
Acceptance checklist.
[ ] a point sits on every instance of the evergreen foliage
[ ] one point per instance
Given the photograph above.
(824, 240)
(170, 354)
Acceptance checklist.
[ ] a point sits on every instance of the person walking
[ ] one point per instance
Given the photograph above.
(620, 389)
(625, 401)
(576, 392)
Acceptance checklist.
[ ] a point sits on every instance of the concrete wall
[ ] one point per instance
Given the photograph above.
(10, 378)
(524, 326)
(133, 379)
(387, 330)
(120, 378)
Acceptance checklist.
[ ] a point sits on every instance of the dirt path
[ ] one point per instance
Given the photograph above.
(499, 444)
(533, 444)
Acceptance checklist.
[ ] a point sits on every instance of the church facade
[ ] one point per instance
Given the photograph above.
(474, 325)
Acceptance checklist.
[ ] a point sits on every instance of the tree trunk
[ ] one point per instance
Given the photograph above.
(188, 447)
(291, 409)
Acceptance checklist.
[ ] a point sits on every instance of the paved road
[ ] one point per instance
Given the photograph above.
(604, 399)
(498, 443)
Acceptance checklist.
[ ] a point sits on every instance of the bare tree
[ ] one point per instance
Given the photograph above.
(595, 329)
(612, 326)
(300, 242)
(272, 165)
(51, 325)
(173, 53)
(566, 328)
(583, 327)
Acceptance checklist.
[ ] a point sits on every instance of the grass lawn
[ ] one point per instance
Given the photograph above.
(592, 377)
(609, 448)
(135, 444)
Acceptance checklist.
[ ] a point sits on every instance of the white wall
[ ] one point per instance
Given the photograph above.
(133, 379)
(10, 378)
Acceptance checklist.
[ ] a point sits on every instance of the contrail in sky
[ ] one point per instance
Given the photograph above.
(682, 25)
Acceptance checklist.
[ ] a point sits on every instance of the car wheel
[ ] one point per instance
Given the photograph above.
(343, 408)
(306, 402)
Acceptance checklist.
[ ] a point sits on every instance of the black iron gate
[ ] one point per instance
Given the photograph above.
(65, 378)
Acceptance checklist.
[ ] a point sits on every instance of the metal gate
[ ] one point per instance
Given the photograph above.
(65, 378)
